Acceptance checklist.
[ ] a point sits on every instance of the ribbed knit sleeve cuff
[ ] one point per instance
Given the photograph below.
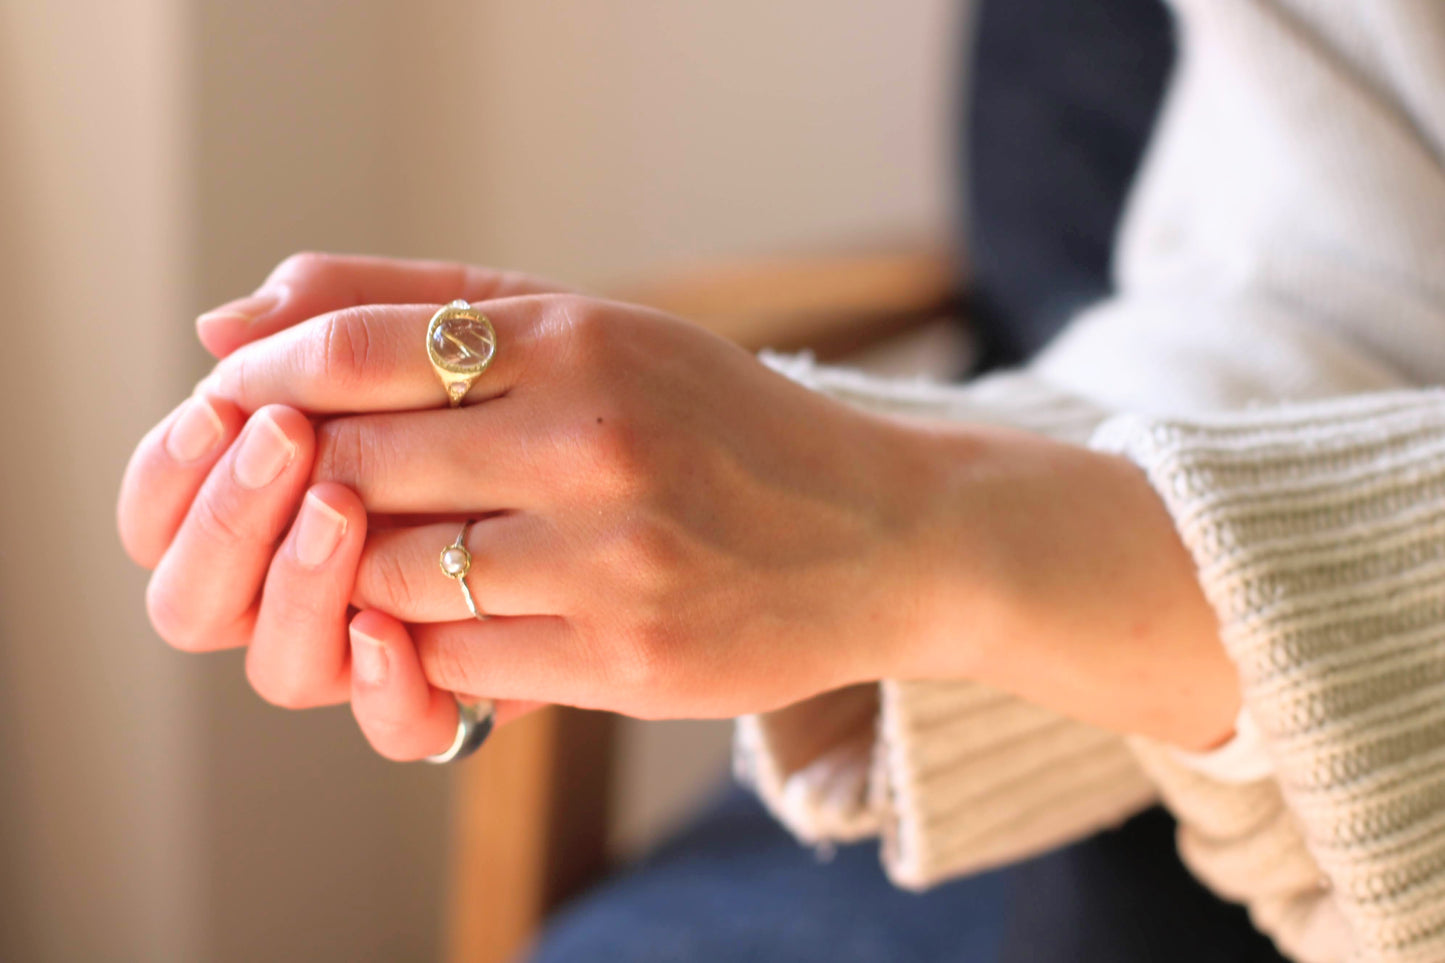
(1319, 535)
(967, 778)
(954, 777)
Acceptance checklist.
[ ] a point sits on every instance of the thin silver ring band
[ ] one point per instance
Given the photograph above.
(456, 563)
(474, 725)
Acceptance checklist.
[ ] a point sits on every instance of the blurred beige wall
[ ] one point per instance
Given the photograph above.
(594, 140)
(157, 156)
(99, 819)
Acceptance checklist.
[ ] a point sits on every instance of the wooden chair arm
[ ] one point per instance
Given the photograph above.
(831, 304)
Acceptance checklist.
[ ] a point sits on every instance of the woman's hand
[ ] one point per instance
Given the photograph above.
(246, 555)
(671, 529)
(667, 528)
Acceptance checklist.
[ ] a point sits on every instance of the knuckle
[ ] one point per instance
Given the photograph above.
(303, 265)
(389, 584)
(216, 518)
(649, 555)
(445, 665)
(647, 660)
(449, 661)
(346, 347)
(585, 320)
(344, 451)
(581, 328)
(653, 550)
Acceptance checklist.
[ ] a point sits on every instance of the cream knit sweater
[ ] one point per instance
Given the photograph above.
(1285, 243)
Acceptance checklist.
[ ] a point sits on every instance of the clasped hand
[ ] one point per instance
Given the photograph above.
(665, 527)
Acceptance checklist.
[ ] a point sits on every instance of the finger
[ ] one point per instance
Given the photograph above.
(433, 462)
(510, 710)
(298, 653)
(202, 595)
(504, 711)
(401, 714)
(514, 570)
(371, 358)
(310, 284)
(167, 470)
(533, 657)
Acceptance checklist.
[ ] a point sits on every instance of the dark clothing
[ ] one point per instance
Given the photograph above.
(736, 888)
(1064, 96)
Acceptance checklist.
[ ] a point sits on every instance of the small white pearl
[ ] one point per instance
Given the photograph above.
(454, 561)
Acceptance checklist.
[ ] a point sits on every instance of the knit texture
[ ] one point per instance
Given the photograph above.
(1319, 534)
(1285, 242)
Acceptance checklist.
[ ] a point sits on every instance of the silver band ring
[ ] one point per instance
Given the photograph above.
(456, 562)
(474, 724)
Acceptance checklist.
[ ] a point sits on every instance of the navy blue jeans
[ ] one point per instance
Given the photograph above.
(736, 888)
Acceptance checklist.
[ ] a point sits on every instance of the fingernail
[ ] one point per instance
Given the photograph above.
(318, 531)
(265, 451)
(369, 662)
(194, 432)
(247, 310)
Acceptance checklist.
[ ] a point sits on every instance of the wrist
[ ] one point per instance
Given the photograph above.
(945, 573)
(1056, 573)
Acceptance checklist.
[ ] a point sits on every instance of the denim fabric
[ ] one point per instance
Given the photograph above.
(735, 887)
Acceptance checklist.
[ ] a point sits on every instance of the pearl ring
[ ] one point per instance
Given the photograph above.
(456, 562)
(474, 719)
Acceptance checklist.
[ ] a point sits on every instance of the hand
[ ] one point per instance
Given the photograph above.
(667, 528)
(208, 514)
(1040, 568)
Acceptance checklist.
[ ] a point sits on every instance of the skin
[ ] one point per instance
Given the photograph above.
(666, 528)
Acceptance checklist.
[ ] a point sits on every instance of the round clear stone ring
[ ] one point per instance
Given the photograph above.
(456, 562)
(460, 343)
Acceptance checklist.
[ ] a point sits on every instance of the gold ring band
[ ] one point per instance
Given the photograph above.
(460, 343)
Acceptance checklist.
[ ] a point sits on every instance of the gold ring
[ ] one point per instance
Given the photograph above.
(456, 562)
(461, 343)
